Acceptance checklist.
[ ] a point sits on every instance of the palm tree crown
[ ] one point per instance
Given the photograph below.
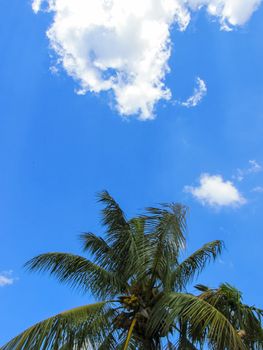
(137, 272)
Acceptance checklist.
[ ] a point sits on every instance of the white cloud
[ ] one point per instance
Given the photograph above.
(254, 167)
(36, 5)
(214, 191)
(229, 12)
(258, 189)
(6, 278)
(199, 92)
(124, 45)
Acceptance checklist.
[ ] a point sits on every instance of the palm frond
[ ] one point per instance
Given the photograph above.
(185, 345)
(109, 343)
(65, 330)
(127, 255)
(202, 288)
(170, 346)
(166, 228)
(133, 345)
(118, 235)
(246, 319)
(98, 247)
(202, 317)
(194, 264)
(168, 220)
(79, 272)
(112, 217)
(141, 249)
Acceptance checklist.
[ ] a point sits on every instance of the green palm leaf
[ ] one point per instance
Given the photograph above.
(109, 343)
(246, 319)
(194, 264)
(79, 272)
(98, 247)
(63, 330)
(113, 218)
(202, 317)
(119, 236)
(166, 228)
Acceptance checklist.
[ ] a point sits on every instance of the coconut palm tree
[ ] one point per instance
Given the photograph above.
(245, 319)
(137, 273)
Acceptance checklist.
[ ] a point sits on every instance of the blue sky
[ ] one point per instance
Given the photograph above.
(58, 149)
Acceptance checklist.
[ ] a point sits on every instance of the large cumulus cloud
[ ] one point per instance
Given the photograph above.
(124, 45)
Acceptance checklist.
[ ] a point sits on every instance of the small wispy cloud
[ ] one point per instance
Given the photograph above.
(124, 46)
(214, 191)
(228, 264)
(253, 167)
(6, 278)
(199, 92)
(258, 189)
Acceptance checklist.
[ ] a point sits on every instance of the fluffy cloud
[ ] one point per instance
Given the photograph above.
(199, 92)
(229, 12)
(124, 46)
(6, 278)
(216, 192)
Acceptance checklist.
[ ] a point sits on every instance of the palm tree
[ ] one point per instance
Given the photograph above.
(136, 269)
(245, 319)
